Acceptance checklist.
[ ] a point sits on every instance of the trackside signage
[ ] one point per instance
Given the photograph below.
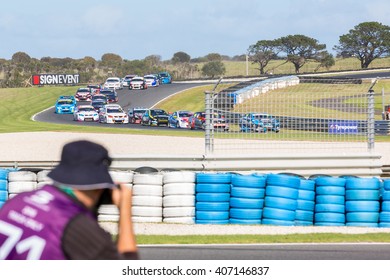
(343, 127)
(55, 79)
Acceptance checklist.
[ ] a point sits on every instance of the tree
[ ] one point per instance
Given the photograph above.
(214, 57)
(367, 41)
(213, 68)
(181, 57)
(262, 52)
(325, 59)
(21, 57)
(111, 59)
(300, 49)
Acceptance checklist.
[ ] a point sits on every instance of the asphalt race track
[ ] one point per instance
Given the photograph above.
(127, 99)
(348, 251)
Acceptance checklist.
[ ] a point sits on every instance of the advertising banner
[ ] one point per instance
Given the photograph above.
(343, 127)
(55, 79)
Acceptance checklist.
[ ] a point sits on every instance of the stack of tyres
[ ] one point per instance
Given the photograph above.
(21, 181)
(247, 198)
(330, 201)
(3, 186)
(212, 198)
(43, 179)
(147, 198)
(304, 215)
(280, 201)
(362, 202)
(384, 216)
(108, 212)
(179, 197)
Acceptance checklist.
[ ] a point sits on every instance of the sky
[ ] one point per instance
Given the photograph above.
(137, 29)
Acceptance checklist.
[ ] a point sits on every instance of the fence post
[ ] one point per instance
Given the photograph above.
(371, 119)
(208, 108)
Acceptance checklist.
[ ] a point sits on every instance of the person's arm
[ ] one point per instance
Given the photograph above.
(126, 242)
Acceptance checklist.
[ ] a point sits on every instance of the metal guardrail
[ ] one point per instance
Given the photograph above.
(365, 164)
(382, 127)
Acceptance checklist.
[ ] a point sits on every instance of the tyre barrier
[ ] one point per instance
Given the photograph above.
(179, 197)
(247, 199)
(212, 194)
(362, 202)
(231, 198)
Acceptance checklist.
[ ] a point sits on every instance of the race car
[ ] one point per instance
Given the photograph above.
(138, 83)
(64, 106)
(98, 103)
(126, 80)
(259, 122)
(83, 94)
(113, 113)
(84, 113)
(94, 88)
(135, 114)
(151, 81)
(166, 78)
(198, 121)
(179, 119)
(155, 117)
(113, 83)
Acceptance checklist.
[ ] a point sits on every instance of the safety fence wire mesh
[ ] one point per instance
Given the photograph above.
(290, 115)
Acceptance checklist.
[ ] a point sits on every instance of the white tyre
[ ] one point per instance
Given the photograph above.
(179, 177)
(22, 176)
(108, 218)
(154, 190)
(137, 219)
(148, 179)
(145, 211)
(179, 188)
(11, 195)
(18, 187)
(108, 209)
(42, 176)
(180, 220)
(141, 200)
(122, 176)
(41, 184)
(179, 201)
(179, 212)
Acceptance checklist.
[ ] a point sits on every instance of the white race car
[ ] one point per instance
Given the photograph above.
(112, 113)
(85, 113)
(113, 83)
(151, 81)
(138, 83)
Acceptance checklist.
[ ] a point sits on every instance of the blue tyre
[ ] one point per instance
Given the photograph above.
(212, 188)
(386, 206)
(329, 218)
(334, 208)
(308, 185)
(330, 199)
(280, 202)
(212, 206)
(215, 178)
(386, 184)
(213, 197)
(283, 180)
(212, 215)
(330, 181)
(362, 195)
(329, 224)
(306, 195)
(240, 213)
(3, 195)
(247, 192)
(248, 181)
(362, 206)
(362, 184)
(305, 205)
(245, 222)
(272, 190)
(278, 214)
(384, 217)
(302, 223)
(362, 217)
(386, 196)
(3, 185)
(371, 225)
(3, 174)
(384, 225)
(212, 222)
(237, 202)
(330, 190)
(275, 222)
(303, 215)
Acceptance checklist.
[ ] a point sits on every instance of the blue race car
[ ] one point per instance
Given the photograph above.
(166, 78)
(65, 106)
(259, 122)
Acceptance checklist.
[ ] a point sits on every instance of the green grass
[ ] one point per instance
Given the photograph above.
(251, 239)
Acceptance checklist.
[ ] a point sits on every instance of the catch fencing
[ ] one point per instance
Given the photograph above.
(292, 115)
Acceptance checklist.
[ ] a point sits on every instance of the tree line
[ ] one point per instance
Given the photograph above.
(367, 41)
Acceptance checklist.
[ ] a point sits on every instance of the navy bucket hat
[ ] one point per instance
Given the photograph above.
(84, 166)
